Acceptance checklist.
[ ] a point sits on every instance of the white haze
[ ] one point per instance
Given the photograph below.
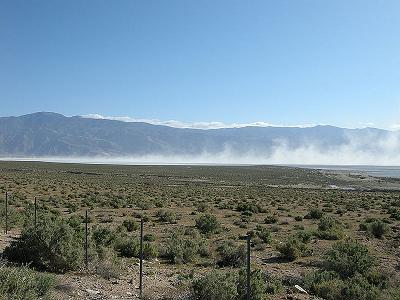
(193, 125)
(358, 151)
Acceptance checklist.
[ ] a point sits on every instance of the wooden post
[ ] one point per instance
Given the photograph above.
(141, 261)
(86, 240)
(248, 292)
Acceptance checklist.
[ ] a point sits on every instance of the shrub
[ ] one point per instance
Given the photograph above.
(24, 283)
(128, 247)
(270, 219)
(314, 213)
(103, 236)
(248, 207)
(257, 285)
(376, 228)
(292, 248)
(304, 236)
(273, 285)
(166, 216)
(216, 285)
(329, 285)
(325, 284)
(358, 288)
(149, 251)
(54, 245)
(378, 278)
(180, 248)
(231, 255)
(130, 225)
(207, 223)
(110, 267)
(348, 258)
(149, 237)
(329, 229)
(263, 233)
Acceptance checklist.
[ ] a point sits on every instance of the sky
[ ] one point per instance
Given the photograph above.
(281, 62)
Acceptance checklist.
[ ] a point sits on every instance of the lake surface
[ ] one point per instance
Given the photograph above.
(377, 171)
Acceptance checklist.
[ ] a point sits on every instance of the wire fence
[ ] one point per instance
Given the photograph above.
(141, 238)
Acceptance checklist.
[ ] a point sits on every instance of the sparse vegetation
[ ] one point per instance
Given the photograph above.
(195, 220)
(24, 283)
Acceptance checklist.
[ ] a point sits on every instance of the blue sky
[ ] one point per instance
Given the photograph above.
(281, 62)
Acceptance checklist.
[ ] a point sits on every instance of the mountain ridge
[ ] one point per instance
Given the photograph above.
(53, 134)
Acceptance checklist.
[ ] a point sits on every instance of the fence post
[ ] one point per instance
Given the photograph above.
(141, 261)
(35, 213)
(86, 240)
(248, 269)
(6, 229)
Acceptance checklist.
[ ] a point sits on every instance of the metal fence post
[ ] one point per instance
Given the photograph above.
(35, 213)
(248, 292)
(141, 261)
(86, 240)
(6, 229)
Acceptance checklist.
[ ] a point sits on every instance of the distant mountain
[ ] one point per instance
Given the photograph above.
(52, 134)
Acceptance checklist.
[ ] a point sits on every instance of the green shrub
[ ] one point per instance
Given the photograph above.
(358, 288)
(378, 278)
(257, 285)
(128, 247)
(149, 251)
(103, 236)
(263, 233)
(149, 237)
(180, 248)
(248, 207)
(329, 285)
(166, 216)
(329, 229)
(376, 228)
(273, 285)
(109, 268)
(54, 245)
(349, 257)
(24, 283)
(270, 219)
(304, 236)
(325, 284)
(130, 225)
(216, 285)
(207, 223)
(292, 248)
(231, 255)
(314, 213)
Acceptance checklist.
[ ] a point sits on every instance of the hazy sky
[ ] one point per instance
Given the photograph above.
(282, 62)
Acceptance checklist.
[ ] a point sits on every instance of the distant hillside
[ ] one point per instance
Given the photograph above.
(51, 134)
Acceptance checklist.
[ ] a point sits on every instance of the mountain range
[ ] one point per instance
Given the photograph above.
(51, 134)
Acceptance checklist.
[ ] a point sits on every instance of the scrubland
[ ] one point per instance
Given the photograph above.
(336, 235)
